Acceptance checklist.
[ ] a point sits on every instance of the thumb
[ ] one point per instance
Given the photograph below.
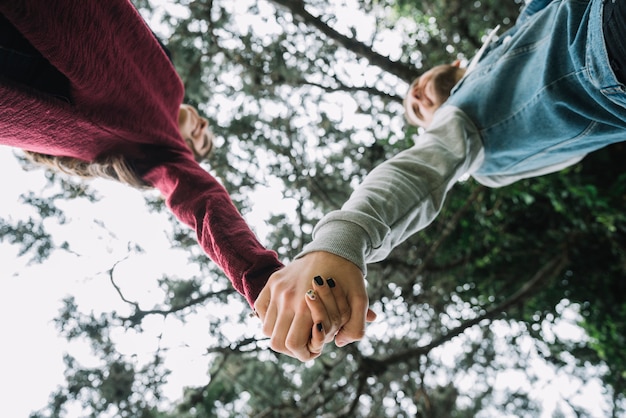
(371, 315)
(354, 329)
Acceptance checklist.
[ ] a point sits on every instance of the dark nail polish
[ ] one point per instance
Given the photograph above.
(320, 327)
(331, 282)
(318, 280)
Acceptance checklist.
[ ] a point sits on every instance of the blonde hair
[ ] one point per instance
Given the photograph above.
(113, 167)
(445, 77)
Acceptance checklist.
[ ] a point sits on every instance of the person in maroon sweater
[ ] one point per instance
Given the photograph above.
(109, 103)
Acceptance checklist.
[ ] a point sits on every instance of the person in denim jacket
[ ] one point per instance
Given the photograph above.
(541, 97)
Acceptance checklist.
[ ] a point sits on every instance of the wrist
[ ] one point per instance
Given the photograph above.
(345, 240)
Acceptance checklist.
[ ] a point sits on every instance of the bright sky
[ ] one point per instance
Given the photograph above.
(31, 353)
(31, 356)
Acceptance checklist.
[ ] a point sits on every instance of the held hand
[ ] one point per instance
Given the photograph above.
(287, 318)
(329, 310)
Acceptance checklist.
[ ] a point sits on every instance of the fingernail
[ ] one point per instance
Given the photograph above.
(331, 282)
(320, 327)
(311, 294)
(318, 280)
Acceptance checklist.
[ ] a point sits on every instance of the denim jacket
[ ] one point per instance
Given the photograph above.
(544, 95)
(538, 100)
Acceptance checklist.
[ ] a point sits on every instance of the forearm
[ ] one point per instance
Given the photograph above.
(197, 199)
(402, 195)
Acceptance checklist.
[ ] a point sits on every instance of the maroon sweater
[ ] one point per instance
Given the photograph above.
(126, 96)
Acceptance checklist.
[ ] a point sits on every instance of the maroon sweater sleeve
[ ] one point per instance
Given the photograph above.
(201, 202)
(126, 97)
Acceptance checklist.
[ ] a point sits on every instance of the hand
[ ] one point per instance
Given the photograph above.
(286, 316)
(329, 311)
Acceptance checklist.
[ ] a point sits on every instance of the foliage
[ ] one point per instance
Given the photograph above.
(306, 96)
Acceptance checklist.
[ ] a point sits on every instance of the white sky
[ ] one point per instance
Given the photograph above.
(31, 352)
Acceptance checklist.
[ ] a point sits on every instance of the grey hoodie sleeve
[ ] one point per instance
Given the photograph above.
(403, 195)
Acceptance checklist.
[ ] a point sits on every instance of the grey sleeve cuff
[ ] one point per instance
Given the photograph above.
(345, 239)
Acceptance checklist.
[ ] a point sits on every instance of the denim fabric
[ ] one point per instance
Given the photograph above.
(531, 8)
(545, 92)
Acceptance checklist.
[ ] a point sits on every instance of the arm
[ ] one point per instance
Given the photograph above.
(194, 196)
(200, 201)
(119, 108)
(403, 195)
(397, 199)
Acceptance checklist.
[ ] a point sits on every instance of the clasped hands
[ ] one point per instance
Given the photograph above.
(315, 299)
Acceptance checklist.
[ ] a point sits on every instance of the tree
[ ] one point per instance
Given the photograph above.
(306, 97)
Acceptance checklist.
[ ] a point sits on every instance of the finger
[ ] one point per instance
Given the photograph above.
(343, 307)
(281, 330)
(269, 322)
(318, 314)
(354, 329)
(299, 334)
(371, 315)
(317, 341)
(331, 318)
(262, 302)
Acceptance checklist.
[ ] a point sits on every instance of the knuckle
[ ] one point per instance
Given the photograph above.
(291, 344)
(344, 315)
(277, 346)
(267, 330)
(315, 349)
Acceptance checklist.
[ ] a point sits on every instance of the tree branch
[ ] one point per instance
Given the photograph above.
(549, 270)
(399, 69)
(139, 313)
